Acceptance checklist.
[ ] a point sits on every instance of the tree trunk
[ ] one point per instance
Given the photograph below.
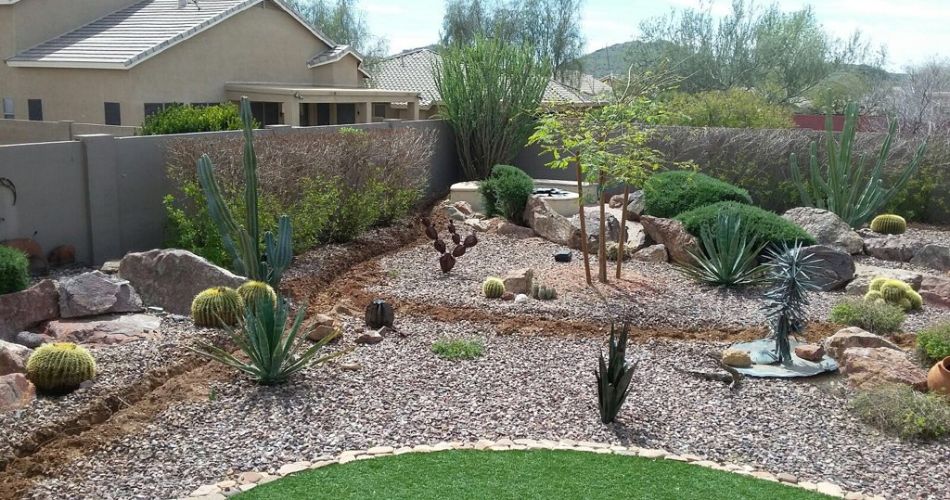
(580, 209)
(602, 240)
(623, 228)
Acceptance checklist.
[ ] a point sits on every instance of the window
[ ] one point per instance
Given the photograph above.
(8, 108)
(113, 113)
(266, 113)
(379, 110)
(153, 108)
(35, 109)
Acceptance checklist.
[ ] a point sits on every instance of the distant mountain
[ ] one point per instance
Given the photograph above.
(616, 59)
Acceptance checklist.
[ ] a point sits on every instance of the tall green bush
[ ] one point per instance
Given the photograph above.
(491, 91)
(14, 270)
(767, 226)
(933, 342)
(733, 108)
(181, 119)
(506, 191)
(668, 194)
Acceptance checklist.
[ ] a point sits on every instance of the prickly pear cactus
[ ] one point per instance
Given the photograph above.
(448, 258)
(217, 307)
(60, 368)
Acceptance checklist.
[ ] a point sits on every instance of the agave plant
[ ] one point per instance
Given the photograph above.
(729, 256)
(269, 346)
(613, 376)
(792, 275)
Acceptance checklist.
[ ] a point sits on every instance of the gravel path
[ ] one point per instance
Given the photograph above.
(527, 387)
(649, 294)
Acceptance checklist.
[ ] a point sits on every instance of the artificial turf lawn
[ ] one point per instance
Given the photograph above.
(534, 474)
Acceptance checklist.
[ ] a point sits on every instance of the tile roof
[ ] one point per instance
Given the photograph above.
(412, 70)
(585, 83)
(128, 36)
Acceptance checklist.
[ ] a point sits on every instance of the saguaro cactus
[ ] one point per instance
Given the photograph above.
(243, 242)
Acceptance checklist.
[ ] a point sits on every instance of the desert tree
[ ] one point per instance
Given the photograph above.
(919, 102)
(344, 22)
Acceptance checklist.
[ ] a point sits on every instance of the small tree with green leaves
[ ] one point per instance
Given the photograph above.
(490, 93)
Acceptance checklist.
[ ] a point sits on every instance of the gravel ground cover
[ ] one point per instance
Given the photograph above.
(530, 387)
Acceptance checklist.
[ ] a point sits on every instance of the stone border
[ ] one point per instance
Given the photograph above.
(247, 480)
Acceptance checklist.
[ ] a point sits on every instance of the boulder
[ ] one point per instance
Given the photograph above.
(935, 290)
(673, 236)
(933, 256)
(171, 278)
(453, 213)
(810, 352)
(827, 228)
(464, 207)
(636, 206)
(32, 340)
(63, 255)
(519, 280)
(851, 337)
(13, 357)
(95, 293)
(512, 230)
(592, 225)
(836, 267)
(896, 248)
(477, 225)
(736, 358)
(15, 392)
(110, 266)
(652, 253)
(550, 225)
(863, 274)
(616, 201)
(34, 253)
(109, 329)
(23, 309)
(869, 367)
(322, 326)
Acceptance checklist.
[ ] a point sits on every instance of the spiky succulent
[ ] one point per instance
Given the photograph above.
(894, 292)
(60, 368)
(493, 288)
(251, 291)
(379, 313)
(613, 376)
(889, 224)
(217, 307)
(792, 275)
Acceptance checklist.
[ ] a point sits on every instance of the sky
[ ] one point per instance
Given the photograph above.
(912, 30)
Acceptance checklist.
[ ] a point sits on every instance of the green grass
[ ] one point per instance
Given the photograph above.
(536, 474)
(454, 349)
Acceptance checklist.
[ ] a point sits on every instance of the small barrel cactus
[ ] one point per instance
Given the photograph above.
(60, 368)
(253, 291)
(873, 295)
(217, 307)
(493, 288)
(894, 292)
(889, 224)
(876, 283)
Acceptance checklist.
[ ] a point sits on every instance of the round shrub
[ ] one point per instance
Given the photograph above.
(506, 191)
(216, 307)
(900, 410)
(253, 291)
(14, 270)
(493, 288)
(768, 227)
(934, 341)
(669, 194)
(59, 368)
(874, 316)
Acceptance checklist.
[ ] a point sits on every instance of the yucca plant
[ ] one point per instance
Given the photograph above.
(613, 376)
(269, 346)
(792, 275)
(729, 256)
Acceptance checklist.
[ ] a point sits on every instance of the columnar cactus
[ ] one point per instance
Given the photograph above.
(217, 307)
(253, 291)
(894, 292)
(493, 288)
(60, 368)
(889, 224)
(447, 259)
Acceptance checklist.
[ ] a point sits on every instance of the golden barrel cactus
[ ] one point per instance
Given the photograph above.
(253, 291)
(889, 224)
(60, 368)
(493, 288)
(217, 307)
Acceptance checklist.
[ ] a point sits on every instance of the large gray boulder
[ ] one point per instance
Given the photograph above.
(836, 267)
(21, 310)
(592, 225)
(673, 236)
(94, 293)
(933, 256)
(827, 228)
(893, 247)
(550, 225)
(171, 278)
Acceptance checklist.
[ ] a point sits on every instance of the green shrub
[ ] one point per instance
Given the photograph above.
(733, 108)
(933, 342)
(14, 270)
(506, 191)
(875, 317)
(455, 349)
(770, 228)
(181, 119)
(900, 410)
(669, 194)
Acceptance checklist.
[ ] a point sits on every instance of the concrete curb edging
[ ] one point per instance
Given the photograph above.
(247, 480)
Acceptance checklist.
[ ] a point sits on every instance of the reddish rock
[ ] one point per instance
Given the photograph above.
(508, 296)
(16, 392)
(13, 357)
(869, 367)
(854, 337)
(936, 291)
(322, 326)
(810, 352)
(63, 255)
(108, 330)
(672, 235)
(21, 310)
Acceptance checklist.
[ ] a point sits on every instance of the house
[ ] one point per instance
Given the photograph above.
(116, 61)
(412, 70)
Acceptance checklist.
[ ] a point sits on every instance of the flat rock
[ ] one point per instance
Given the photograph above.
(171, 278)
(110, 266)
(652, 253)
(863, 274)
(893, 247)
(869, 367)
(935, 290)
(369, 337)
(836, 266)
(933, 256)
(21, 310)
(827, 228)
(519, 281)
(736, 358)
(550, 225)
(108, 329)
(477, 225)
(16, 392)
(13, 357)
(673, 236)
(322, 326)
(512, 230)
(810, 352)
(852, 337)
(32, 340)
(95, 293)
